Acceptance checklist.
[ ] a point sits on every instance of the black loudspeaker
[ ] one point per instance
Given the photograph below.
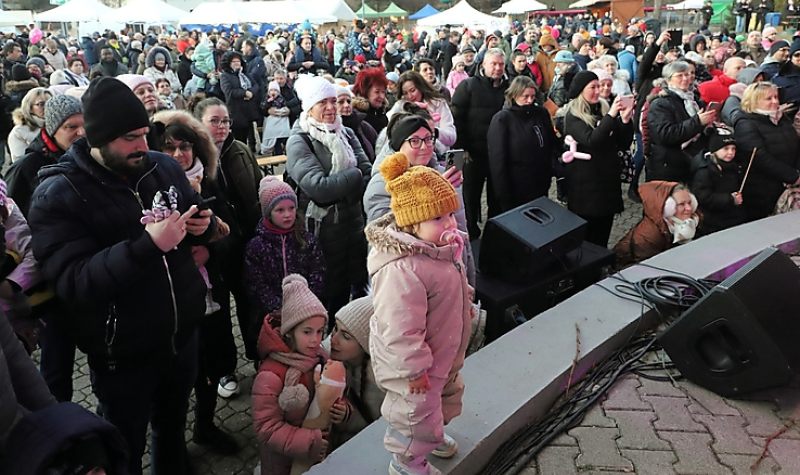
(522, 242)
(742, 336)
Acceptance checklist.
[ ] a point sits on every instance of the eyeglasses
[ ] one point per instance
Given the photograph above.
(220, 122)
(39, 104)
(416, 142)
(169, 148)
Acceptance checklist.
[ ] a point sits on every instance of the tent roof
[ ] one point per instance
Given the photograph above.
(77, 11)
(15, 17)
(586, 3)
(279, 12)
(149, 11)
(210, 13)
(366, 11)
(518, 7)
(393, 10)
(463, 13)
(423, 12)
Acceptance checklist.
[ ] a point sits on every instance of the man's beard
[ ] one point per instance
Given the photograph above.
(121, 165)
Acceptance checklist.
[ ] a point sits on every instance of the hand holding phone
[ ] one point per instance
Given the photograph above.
(626, 102)
(205, 203)
(455, 158)
(714, 106)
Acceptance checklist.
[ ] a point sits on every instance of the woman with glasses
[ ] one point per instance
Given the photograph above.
(523, 147)
(675, 124)
(188, 142)
(328, 164)
(413, 134)
(763, 126)
(788, 78)
(414, 88)
(240, 96)
(237, 181)
(28, 121)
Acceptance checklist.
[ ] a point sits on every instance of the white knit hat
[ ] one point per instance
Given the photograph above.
(341, 90)
(134, 80)
(354, 319)
(312, 89)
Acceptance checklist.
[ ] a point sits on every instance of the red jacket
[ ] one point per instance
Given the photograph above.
(716, 90)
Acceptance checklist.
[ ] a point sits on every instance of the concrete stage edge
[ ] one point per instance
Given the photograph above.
(514, 381)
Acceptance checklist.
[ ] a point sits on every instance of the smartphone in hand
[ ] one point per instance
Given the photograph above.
(626, 102)
(455, 158)
(715, 106)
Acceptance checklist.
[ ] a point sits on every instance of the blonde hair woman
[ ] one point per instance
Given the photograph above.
(28, 121)
(763, 126)
(595, 188)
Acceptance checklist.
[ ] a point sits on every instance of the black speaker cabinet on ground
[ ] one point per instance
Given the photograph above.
(742, 336)
(521, 242)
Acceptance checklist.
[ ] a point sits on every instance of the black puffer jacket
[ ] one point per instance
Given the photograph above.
(669, 127)
(129, 300)
(242, 111)
(475, 102)
(776, 163)
(595, 186)
(523, 147)
(22, 176)
(714, 184)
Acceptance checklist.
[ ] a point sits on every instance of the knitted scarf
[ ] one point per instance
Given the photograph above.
(774, 116)
(688, 101)
(333, 138)
(294, 395)
(244, 81)
(196, 170)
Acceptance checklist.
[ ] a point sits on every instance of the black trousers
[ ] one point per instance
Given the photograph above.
(58, 350)
(476, 173)
(152, 390)
(598, 229)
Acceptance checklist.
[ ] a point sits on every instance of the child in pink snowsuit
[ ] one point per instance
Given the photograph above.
(419, 334)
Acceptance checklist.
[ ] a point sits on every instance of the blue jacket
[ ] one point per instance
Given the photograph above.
(627, 61)
(129, 300)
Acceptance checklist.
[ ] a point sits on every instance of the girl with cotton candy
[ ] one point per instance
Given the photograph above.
(423, 310)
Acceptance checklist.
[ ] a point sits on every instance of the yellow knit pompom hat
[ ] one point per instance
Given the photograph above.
(418, 193)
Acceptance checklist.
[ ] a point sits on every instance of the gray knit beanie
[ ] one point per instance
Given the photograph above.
(354, 319)
(37, 61)
(57, 110)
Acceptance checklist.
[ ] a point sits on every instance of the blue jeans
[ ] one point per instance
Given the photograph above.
(151, 390)
(740, 26)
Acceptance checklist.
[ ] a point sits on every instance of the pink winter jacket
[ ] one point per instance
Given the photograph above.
(280, 435)
(422, 305)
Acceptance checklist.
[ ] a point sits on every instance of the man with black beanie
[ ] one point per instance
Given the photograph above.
(129, 280)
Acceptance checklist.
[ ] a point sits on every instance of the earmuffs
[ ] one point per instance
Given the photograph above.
(670, 205)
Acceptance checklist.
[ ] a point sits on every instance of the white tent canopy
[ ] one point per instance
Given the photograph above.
(77, 11)
(280, 11)
(463, 14)
(687, 5)
(149, 12)
(518, 7)
(15, 17)
(586, 3)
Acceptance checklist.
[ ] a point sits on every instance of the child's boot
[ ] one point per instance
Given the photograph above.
(412, 466)
(447, 449)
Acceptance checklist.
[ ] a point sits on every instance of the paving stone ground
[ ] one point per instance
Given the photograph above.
(642, 426)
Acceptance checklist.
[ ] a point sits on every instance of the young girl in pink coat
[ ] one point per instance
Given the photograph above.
(419, 334)
(284, 385)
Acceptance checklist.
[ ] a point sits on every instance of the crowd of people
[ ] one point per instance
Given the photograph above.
(135, 212)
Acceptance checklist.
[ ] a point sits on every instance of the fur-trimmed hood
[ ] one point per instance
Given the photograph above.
(21, 86)
(150, 60)
(387, 243)
(207, 151)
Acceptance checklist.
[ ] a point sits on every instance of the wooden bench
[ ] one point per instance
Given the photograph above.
(268, 163)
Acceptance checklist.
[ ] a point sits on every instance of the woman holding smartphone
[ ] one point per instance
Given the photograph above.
(595, 187)
(523, 147)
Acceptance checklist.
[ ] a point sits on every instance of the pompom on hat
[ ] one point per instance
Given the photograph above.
(418, 193)
(354, 319)
(299, 303)
(312, 89)
(272, 191)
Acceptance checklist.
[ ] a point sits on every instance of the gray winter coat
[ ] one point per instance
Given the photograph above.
(341, 232)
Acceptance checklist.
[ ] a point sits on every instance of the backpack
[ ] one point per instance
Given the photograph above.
(643, 125)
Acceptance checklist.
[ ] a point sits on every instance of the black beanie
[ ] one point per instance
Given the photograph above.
(778, 45)
(579, 82)
(720, 137)
(404, 128)
(110, 110)
(19, 72)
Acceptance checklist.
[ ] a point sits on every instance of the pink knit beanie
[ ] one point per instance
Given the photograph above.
(299, 303)
(271, 191)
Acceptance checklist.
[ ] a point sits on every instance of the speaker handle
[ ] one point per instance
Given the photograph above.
(538, 215)
(720, 349)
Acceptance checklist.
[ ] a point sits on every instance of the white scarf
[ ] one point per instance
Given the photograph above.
(682, 229)
(689, 104)
(333, 137)
(195, 171)
(244, 81)
(774, 116)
